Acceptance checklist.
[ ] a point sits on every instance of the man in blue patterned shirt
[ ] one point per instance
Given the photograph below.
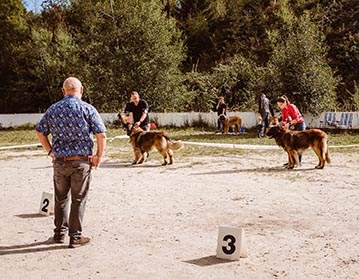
(72, 123)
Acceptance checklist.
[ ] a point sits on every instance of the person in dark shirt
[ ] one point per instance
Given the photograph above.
(221, 109)
(264, 108)
(138, 112)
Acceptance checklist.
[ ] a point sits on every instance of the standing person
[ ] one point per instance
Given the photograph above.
(72, 123)
(291, 117)
(221, 109)
(138, 112)
(264, 108)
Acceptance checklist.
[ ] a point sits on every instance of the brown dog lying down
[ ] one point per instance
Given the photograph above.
(295, 142)
(229, 121)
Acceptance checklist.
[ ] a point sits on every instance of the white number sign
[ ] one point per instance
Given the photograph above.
(231, 243)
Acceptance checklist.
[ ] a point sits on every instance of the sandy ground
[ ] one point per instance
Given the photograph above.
(162, 222)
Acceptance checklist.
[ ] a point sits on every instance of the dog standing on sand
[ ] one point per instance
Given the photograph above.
(295, 142)
(143, 142)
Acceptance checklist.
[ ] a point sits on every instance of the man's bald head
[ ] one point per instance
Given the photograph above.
(72, 86)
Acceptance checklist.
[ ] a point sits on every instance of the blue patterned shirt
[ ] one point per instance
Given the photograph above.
(72, 123)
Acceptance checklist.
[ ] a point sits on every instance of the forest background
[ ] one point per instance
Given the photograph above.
(180, 55)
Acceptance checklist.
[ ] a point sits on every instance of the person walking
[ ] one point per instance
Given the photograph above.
(72, 123)
(264, 108)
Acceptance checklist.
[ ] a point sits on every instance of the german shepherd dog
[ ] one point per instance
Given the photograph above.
(143, 142)
(295, 142)
(273, 121)
(229, 121)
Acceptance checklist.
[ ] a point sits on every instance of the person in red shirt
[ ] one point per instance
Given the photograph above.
(291, 117)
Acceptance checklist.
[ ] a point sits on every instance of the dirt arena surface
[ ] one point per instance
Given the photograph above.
(162, 222)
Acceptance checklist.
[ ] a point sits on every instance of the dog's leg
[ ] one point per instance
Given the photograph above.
(320, 152)
(225, 128)
(145, 156)
(163, 151)
(295, 158)
(238, 129)
(165, 159)
(170, 155)
(291, 159)
(137, 155)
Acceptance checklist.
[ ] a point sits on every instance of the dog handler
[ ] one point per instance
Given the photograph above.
(291, 117)
(221, 109)
(138, 112)
(264, 108)
(72, 123)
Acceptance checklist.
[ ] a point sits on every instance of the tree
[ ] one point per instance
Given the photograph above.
(45, 59)
(13, 30)
(298, 67)
(128, 45)
(343, 39)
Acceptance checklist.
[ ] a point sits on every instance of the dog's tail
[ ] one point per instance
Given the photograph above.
(327, 153)
(175, 145)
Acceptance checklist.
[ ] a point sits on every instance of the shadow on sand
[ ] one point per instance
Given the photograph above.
(47, 245)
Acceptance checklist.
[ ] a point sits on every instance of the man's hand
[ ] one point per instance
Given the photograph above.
(95, 161)
(138, 123)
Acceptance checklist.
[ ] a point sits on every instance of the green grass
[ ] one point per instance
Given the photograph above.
(17, 137)
(26, 135)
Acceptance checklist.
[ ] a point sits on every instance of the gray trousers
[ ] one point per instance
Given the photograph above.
(71, 180)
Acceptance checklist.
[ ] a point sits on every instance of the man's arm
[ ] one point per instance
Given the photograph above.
(145, 108)
(101, 146)
(44, 140)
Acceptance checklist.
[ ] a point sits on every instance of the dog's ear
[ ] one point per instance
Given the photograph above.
(129, 129)
(125, 124)
(123, 118)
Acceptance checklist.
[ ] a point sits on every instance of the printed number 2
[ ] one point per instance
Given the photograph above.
(46, 203)
(232, 248)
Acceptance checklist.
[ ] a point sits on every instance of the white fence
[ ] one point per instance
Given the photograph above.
(176, 119)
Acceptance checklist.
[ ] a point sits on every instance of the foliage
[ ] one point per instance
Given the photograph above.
(238, 80)
(298, 67)
(130, 45)
(198, 93)
(181, 54)
(13, 30)
(343, 41)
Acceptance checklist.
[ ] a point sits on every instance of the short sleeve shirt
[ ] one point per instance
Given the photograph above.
(221, 108)
(142, 107)
(72, 124)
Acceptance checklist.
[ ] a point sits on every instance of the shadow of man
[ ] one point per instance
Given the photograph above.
(34, 247)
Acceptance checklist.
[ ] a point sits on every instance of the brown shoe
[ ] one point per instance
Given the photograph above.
(78, 241)
(59, 238)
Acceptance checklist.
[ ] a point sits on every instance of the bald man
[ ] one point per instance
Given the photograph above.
(72, 124)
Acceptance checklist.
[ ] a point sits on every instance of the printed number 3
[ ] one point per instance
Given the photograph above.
(230, 248)
(46, 204)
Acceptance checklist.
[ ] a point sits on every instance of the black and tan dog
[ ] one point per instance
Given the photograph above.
(229, 121)
(143, 142)
(273, 121)
(295, 142)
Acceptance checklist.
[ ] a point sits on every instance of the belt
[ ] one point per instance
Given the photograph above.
(72, 158)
